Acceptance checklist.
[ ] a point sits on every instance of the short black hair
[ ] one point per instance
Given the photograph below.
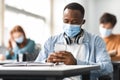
(108, 18)
(75, 6)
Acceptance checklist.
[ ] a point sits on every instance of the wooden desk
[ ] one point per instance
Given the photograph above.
(48, 72)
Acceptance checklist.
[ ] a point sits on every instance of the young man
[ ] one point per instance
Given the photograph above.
(107, 23)
(76, 46)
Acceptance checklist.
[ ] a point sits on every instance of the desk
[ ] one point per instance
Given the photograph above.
(116, 73)
(50, 72)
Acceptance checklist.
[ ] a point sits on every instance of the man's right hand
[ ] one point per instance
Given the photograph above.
(51, 57)
(62, 56)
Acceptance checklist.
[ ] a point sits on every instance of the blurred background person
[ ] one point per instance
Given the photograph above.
(107, 24)
(18, 43)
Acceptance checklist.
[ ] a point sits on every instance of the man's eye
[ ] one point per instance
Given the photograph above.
(75, 22)
(66, 21)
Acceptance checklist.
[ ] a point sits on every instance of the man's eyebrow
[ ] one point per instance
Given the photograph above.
(72, 18)
(75, 19)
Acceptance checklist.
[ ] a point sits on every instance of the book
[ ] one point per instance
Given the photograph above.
(27, 64)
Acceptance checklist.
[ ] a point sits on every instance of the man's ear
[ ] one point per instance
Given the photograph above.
(83, 21)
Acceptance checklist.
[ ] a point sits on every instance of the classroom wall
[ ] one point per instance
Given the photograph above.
(93, 8)
(93, 11)
(97, 8)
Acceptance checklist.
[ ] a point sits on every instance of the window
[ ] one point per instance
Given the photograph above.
(31, 15)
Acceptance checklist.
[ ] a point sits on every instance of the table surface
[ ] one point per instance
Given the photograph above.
(50, 68)
(59, 70)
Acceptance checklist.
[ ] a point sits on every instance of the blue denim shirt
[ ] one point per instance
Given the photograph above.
(95, 53)
(29, 48)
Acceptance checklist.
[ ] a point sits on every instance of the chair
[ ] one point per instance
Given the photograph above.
(116, 67)
(105, 77)
(3, 49)
(33, 56)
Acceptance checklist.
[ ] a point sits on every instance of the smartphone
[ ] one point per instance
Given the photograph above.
(60, 47)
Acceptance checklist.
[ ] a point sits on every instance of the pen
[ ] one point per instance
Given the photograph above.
(56, 63)
(59, 63)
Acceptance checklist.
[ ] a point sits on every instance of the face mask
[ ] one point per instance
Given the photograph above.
(105, 32)
(20, 39)
(71, 30)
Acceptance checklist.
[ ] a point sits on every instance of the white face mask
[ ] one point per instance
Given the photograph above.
(20, 39)
(71, 30)
(105, 32)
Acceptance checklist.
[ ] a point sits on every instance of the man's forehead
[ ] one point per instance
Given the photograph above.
(72, 13)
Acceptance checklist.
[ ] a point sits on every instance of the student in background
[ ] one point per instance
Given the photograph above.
(107, 24)
(18, 43)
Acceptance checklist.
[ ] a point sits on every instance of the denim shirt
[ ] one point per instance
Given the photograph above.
(95, 53)
(28, 48)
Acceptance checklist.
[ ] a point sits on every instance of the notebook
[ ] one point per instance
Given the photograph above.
(27, 64)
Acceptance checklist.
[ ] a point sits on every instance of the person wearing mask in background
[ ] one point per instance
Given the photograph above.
(107, 24)
(80, 47)
(18, 43)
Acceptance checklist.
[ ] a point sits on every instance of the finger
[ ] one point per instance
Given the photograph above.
(52, 55)
(61, 56)
(50, 61)
(56, 55)
(58, 60)
(50, 58)
(65, 53)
